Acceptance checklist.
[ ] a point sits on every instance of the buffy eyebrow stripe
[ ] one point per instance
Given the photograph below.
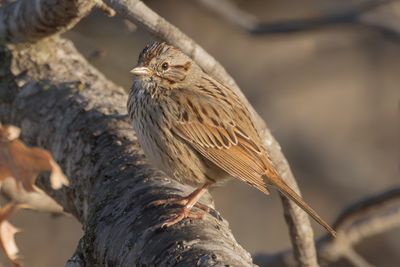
(185, 66)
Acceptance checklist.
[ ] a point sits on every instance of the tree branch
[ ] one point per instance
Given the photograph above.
(66, 106)
(368, 217)
(372, 13)
(232, 13)
(28, 21)
(363, 219)
(384, 18)
(299, 225)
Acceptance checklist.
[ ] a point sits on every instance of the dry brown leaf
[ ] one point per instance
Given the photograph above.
(6, 211)
(57, 177)
(7, 241)
(9, 132)
(24, 163)
(7, 233)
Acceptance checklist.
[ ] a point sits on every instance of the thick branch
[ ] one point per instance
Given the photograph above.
(66, 106)
(27, 21)
(300, 229)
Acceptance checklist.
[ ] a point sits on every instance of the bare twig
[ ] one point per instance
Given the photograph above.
(363, 219)
(356, 259)
(368, 217)
(232, 13)
(299, 225)
(368, 13)
(385, 19)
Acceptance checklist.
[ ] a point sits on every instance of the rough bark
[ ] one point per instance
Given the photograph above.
(66, 106)
(27, 21)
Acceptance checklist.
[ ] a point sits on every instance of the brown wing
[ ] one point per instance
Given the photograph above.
(216, 124)
(219, 127)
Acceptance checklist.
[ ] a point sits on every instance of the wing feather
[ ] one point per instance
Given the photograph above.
(225, 135)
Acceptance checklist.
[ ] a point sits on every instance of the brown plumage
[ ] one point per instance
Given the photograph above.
(197, 130)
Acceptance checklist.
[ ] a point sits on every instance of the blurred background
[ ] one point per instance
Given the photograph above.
(329, 95)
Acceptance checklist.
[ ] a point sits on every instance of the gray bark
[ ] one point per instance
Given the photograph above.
(26, 21)
(68, 107)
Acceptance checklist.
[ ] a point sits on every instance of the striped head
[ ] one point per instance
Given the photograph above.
(163, 66)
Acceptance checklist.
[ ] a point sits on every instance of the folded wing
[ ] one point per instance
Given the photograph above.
(222, 132)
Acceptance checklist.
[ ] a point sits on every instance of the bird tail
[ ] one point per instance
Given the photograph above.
(277, 181)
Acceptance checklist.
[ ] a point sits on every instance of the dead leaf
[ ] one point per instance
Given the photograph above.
(7, 241)
(9, 132)
(57, 177)
(24, 163)
(7, 232)
(6, 211)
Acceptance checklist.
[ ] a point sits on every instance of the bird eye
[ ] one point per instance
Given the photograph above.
(165, 66)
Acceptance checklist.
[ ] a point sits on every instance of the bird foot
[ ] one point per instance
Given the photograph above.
(183, 214)
(181, 201)
(187, 204)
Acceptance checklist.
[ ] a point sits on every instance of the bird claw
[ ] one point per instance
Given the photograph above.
(184, 213)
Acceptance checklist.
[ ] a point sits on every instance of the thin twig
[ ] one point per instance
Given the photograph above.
(368, 217)
(229, 11)
(232, 13)
(385, 19)
(356, 259)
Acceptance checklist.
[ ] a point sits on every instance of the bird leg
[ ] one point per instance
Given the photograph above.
(187, 204)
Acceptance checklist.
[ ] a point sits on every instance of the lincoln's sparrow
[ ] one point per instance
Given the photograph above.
(197, 130)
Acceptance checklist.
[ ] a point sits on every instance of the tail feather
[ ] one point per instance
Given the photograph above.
(277, 181)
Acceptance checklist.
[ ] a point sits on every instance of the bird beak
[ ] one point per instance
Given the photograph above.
(141, 71)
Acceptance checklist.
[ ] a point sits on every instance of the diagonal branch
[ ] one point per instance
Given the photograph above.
(299, 225)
